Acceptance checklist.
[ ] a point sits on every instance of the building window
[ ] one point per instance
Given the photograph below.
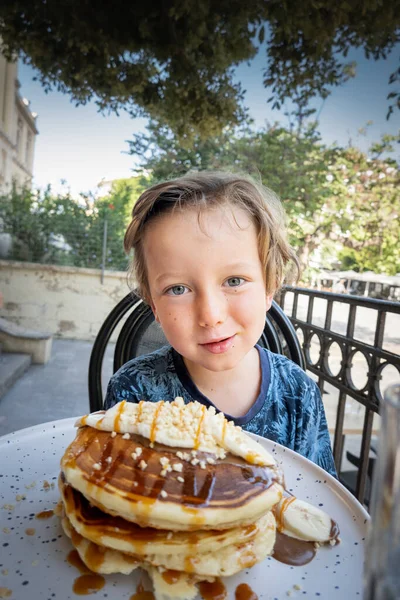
(28, 147)
(19, 134)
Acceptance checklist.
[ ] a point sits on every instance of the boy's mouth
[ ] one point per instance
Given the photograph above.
(219, 346)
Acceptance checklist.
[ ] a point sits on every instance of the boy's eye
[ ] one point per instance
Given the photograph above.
(234, 281)
(176, 290)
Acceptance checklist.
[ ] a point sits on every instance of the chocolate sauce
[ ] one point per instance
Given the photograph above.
(291, 551)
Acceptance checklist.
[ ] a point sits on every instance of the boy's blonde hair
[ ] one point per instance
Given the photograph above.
(205, 190)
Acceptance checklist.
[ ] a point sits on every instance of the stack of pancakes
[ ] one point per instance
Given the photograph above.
(172, 488)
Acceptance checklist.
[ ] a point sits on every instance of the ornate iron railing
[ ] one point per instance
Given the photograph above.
(376, 356)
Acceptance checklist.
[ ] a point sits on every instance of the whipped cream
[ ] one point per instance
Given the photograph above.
(180, 425)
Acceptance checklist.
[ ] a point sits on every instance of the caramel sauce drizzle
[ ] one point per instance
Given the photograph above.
(170, 576)
(154, 423)
(45, 514)
(189, 564)
(140, 410)
(200, 488)
(118, 416)
(280, 514)
(88, 583)
(212, 591)
(224, 431)
(141, 594)
(244, 592)
(75, 560)
(198, 432)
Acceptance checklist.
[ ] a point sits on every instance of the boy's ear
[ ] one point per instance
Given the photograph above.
(269, 298)
(153, 308)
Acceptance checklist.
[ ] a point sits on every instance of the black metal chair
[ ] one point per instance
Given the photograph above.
(141, 334)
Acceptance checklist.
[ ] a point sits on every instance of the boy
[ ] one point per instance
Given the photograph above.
(210, 251)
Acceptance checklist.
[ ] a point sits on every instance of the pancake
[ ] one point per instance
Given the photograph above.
(158, 486)
(118, 534)
(225, 562)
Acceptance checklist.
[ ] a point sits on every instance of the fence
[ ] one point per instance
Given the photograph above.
(321, 340)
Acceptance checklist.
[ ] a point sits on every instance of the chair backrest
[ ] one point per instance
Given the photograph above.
(140, 334)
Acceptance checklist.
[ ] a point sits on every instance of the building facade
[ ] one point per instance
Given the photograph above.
(17, 130)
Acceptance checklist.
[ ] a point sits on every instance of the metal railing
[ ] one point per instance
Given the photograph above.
(377, 359)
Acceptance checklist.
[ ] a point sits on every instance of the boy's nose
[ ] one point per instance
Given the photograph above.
(212, 309)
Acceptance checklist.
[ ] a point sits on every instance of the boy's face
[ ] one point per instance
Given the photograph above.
(207, 285)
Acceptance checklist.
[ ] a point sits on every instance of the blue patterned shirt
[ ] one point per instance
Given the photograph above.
(288, 410)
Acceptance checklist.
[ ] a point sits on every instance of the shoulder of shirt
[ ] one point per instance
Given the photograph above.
(154, 362)
(281, 366)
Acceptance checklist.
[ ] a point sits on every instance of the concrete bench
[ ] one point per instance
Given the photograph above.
(14, 338)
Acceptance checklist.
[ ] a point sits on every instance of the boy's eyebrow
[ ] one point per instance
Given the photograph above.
(167, 276)
(231, 267)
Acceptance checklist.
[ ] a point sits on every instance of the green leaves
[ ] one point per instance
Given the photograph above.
(174, 61)
(58, 229)
(342, 204)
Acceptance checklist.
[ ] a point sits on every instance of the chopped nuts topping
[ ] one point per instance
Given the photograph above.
(177, 467)
(164, 493)
(194, 461)
(211, 461)
(109, 460)
(188, 426)
(143, 465)
(180, 479)
(97, 466)
(138, 450)
(202, 464)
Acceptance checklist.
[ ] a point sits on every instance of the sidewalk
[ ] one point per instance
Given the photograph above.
(56, 390)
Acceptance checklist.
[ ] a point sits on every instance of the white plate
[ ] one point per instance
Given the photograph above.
(35, 566)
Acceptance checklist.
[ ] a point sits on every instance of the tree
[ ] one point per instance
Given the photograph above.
(174, 61)
(58, 229)
(340, 202)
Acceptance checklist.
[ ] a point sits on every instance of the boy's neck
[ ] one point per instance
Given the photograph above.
(233, 392)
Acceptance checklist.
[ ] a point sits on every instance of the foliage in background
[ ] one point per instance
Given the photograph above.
(342, 204)
(174, 61)
(58, 229)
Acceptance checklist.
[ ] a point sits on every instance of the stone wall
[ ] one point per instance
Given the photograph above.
(68, 302)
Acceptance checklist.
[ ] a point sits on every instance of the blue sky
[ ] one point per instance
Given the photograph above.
(82, 146)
